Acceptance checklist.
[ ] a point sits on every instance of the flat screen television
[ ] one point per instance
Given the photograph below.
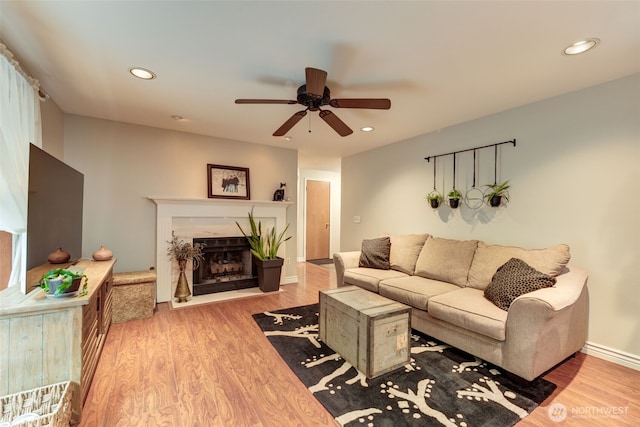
(54, 215)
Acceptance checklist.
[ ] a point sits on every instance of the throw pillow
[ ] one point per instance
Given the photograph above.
(513, 279)
(488, 258)
(375, 253)
(447, 260)
(405, 250)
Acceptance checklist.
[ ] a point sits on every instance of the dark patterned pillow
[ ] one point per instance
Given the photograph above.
(515, 278)
(375, 253)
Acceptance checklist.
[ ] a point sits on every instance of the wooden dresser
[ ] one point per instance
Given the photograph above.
(46, 340)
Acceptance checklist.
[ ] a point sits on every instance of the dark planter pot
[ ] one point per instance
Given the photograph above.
(454, 203)
(269, 274)
(434, 203)
(495, 201)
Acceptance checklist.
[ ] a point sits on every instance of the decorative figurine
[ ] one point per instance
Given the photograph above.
(278, 196)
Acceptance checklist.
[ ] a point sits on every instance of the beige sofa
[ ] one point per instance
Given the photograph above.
(444, 282)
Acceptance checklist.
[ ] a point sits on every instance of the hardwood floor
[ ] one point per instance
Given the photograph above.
(210, 365)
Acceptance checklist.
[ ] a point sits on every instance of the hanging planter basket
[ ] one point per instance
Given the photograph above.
(454, 197)
(435, 199)
(496, 195)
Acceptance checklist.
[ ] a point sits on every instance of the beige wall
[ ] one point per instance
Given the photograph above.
(123, 164)
(52, 129)
(575, 180)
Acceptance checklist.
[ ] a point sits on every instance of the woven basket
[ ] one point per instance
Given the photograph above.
(52, 404)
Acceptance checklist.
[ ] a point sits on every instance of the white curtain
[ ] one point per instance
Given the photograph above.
(19, 126)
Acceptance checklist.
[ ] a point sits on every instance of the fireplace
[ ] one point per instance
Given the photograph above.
(227, 266)
(208, 218)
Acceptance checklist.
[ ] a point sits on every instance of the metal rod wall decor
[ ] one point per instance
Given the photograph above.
(513, 141)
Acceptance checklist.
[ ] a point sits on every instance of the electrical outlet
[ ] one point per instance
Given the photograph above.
(356, 219)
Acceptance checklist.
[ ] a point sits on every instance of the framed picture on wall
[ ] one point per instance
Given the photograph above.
(228, 182)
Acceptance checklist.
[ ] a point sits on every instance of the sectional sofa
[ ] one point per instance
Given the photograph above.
(524, 310)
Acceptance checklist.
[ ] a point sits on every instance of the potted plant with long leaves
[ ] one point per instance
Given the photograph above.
(454, 198)
(264, 247)
(495, 192)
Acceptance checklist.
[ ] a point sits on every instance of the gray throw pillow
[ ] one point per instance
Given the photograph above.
(515, 278)
(375, 253)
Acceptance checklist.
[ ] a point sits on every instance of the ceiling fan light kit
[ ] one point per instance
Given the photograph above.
(313, 95)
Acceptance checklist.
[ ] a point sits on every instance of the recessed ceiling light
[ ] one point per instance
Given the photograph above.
(581, 47)
(142, 73)
(287, 138)
(367, 128)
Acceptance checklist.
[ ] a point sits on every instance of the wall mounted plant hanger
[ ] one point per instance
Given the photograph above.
(513, 141)
(495, 193)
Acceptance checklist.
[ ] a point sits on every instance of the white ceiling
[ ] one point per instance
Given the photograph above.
(440, 62)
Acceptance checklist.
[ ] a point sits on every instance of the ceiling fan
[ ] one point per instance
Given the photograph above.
(313, 95)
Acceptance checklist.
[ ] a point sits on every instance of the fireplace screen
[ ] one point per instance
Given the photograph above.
(227, 265)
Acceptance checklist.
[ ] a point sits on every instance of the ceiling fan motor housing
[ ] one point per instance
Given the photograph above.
(311, 101)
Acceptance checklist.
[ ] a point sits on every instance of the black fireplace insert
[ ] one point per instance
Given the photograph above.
(227, 265)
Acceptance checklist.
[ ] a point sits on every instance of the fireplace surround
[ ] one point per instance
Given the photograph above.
(209, 218)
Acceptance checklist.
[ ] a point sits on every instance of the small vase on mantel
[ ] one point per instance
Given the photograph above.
(102, 254)
(59, 256)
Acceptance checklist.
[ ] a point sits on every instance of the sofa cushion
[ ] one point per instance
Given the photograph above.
(375, 253)
(488, 258)
(405, 250)
(414, 290)
(469, 309)
(369, 278)
(446, 260)
(513, 279)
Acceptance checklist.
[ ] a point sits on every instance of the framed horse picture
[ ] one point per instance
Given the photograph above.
(228, 182)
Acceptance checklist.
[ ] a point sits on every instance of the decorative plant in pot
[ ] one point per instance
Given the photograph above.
(454, 198)
(264, 248)
(182, 252)
(61, 282)
(495, 193)
(434, 198)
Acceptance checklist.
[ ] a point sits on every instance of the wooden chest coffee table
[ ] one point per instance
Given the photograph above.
(368, 330)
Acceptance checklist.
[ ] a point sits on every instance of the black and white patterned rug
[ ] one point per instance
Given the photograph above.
(441, 386)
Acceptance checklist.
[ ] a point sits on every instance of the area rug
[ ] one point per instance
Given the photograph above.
(440, 386)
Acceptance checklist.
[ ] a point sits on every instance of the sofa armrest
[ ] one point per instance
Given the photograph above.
(343, 261)
(565, 292)
(548, 325)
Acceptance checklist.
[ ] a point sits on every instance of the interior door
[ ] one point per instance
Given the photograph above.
(318, 219)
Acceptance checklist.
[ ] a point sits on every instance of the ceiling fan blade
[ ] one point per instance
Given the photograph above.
(316, 80)
(337, 124)
(373, 103)
(265, 101)
(286, 126)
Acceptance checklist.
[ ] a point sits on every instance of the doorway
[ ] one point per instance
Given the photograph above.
(318, 214)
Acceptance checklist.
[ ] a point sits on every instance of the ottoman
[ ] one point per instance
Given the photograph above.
(134, 295)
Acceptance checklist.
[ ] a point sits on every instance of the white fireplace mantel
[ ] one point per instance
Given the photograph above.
(171, 211)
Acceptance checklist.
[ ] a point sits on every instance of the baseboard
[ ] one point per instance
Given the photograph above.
(612, 355)
(288, 280)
